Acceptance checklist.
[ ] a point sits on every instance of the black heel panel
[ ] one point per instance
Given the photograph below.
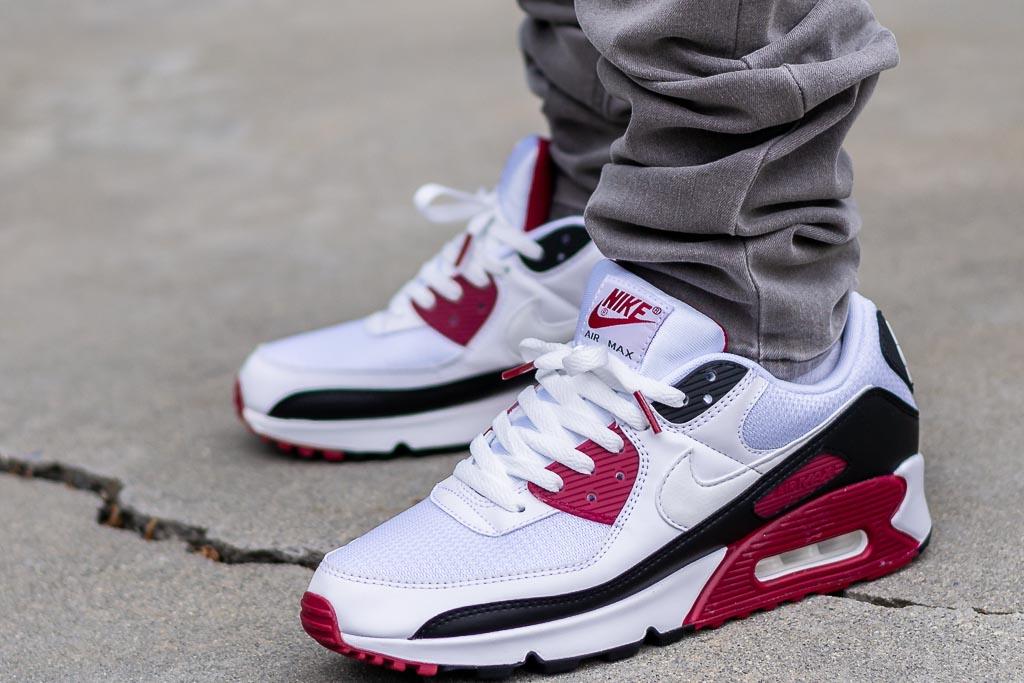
(891, 351)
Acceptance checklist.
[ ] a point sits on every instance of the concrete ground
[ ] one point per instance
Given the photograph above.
(181, 179)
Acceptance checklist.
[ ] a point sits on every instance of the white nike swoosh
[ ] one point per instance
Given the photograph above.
(684, 500)
(718, 467)
(714, 469)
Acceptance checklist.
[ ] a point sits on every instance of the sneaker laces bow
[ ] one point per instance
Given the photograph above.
(576, 381)
(476, 254)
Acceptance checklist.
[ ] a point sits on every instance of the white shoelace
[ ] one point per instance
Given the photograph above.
(475, 254)
(576, 378)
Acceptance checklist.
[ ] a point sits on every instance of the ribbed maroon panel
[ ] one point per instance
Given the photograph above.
(735, 591)
(601, 495)
(461, 319)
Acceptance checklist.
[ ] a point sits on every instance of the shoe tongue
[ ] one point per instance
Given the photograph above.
(639, 324)
(649, 330)
(524, 191)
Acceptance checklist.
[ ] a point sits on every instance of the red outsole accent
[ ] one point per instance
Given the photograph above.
(304, 452)
(598, 496)
(819, 471)
(320, 622)
(734, 591)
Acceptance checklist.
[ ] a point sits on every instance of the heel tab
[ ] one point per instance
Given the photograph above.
(891, 351)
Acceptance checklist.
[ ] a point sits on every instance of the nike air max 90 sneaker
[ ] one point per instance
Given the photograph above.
(425, 373)
(650, 483)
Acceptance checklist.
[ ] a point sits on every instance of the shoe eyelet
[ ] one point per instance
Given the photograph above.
(621, 476)
(708, 399)
(591, 497)
(710, 376)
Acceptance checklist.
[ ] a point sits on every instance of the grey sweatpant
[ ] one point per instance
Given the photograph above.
(704, 138)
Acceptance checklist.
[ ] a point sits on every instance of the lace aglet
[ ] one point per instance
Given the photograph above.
(648, 413)
(464, 250)
(518, 370)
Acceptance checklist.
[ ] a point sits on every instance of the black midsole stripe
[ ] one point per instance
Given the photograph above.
(355, 404)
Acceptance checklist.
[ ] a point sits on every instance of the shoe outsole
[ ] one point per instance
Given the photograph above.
(306, 452)
(319, 621)
(878, 497)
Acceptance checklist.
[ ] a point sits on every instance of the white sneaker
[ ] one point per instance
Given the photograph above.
(651, 484)
(425, 373)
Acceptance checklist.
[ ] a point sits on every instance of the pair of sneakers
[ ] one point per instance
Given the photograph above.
(638, 482)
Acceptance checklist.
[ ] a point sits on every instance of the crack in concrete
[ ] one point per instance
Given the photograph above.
(900, 603)
(114, 513)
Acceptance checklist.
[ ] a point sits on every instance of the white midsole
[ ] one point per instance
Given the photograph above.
(441, 428)
(912, 516)
(663, 606)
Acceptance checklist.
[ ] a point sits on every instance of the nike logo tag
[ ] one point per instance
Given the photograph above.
(625, 318)
(630, 310)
